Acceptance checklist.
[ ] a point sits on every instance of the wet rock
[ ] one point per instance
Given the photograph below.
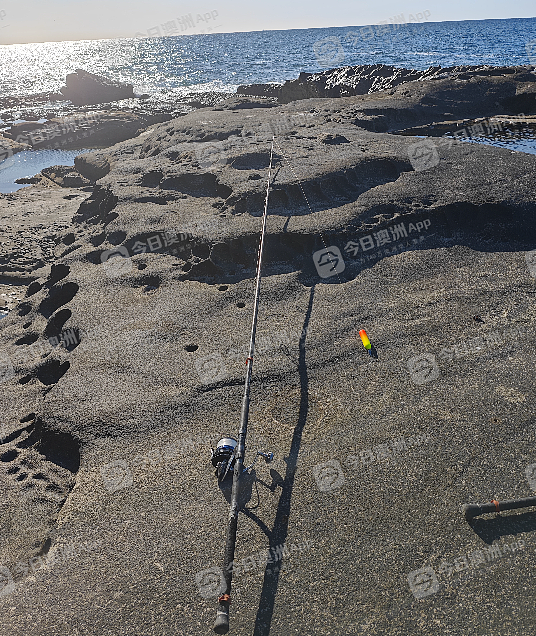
(65, 176)
(86, 88)
(9, 147)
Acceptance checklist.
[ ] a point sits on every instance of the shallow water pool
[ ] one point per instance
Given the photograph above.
(31, 162)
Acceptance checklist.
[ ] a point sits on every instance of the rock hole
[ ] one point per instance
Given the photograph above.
(191, 348)
(21, 476)
(142, 265)
(56, 323)
(58, 297)
(252, 161)
(223, 191)
(33, 288)
(98, 240)
(60, 449)
(53, 488)
(223, 287)
(40, 476)
(46, 547)
(150, 281)
(115, 238)
(152, 179)
(241, 305)
(69, 239)
(12, 436)
(25, 379)
(9, 455)
(27, 339)
(57, 273)
(52, 371)
(24, 308)
(26, 325)
(13, 470)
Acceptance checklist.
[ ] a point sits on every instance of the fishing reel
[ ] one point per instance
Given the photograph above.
(224, 456)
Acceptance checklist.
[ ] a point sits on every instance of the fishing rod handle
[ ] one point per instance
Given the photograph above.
(221, 624)
(474, 510)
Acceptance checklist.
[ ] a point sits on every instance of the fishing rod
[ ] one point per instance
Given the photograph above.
(475, 510)
(229, 453)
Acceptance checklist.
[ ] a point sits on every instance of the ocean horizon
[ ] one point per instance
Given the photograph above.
(175, 65)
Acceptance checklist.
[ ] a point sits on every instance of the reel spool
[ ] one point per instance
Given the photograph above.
(223, 457)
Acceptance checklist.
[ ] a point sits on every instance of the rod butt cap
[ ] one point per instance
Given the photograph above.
(221, 624)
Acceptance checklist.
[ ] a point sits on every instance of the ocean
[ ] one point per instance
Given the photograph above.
(175, 68)
(171, 67)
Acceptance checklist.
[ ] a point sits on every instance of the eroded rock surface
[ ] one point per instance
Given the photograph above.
(85, 130)
(131, 349)
(373, 78)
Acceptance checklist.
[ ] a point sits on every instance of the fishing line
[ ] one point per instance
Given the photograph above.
(308, 205)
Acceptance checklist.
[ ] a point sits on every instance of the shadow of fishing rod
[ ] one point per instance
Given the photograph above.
(278, 534)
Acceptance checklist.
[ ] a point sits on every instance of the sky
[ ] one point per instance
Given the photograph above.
(24, 21)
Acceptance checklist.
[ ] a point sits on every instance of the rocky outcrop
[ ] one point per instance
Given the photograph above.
(66, 177)
(124, 364)
(91, 129)
(360, 80)
(9, 147)
(92, 166)
(83, 88)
